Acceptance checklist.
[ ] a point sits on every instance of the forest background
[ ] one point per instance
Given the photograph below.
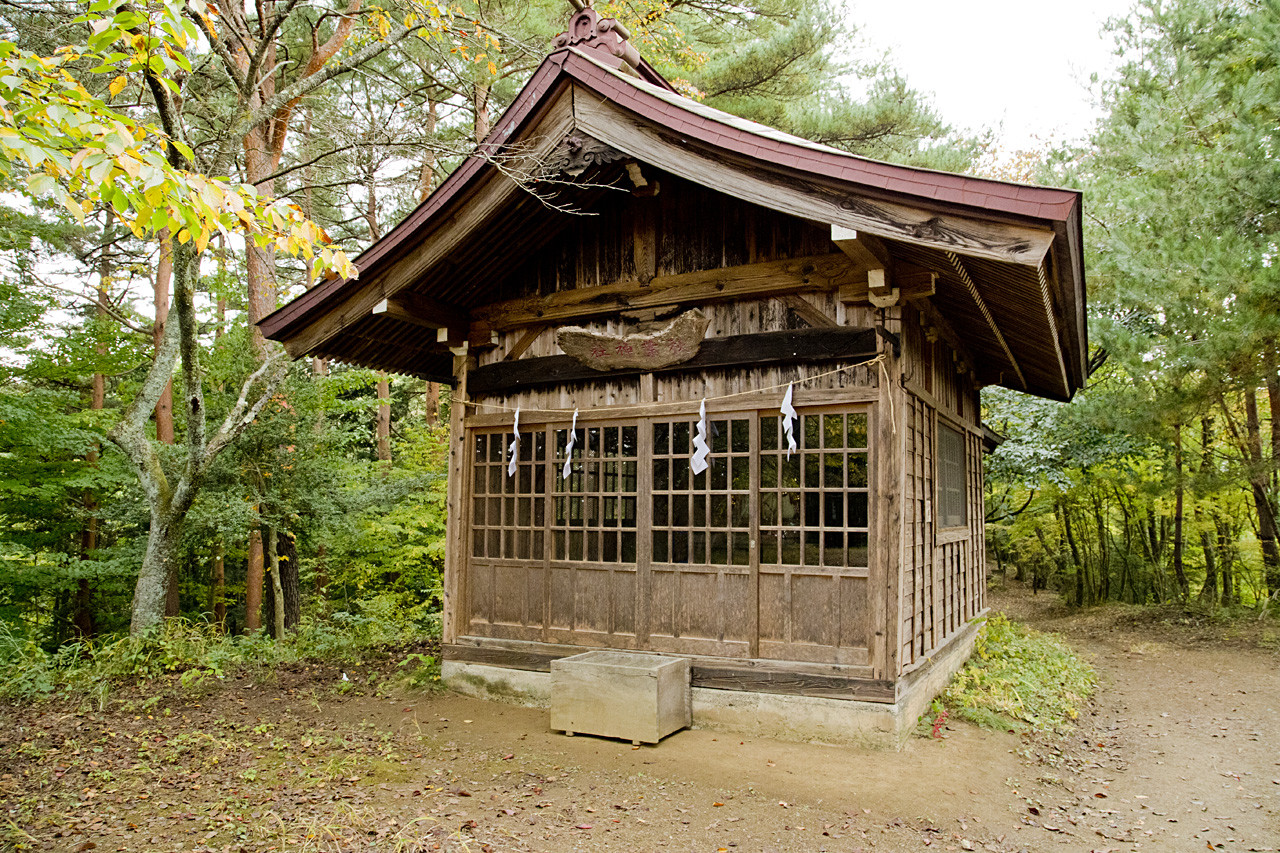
(134, 262)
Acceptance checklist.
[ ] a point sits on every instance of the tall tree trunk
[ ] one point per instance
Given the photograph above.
(1104, 547)
(1258, 482)
(1273, 401)
(1128, 542)
(290, 585)
(1075, 552)
(164, 540)
(164, 406)
(371, 199)
(1179, 496)
(1208, 590)
(427, 173)
(160, 288)
(384, 420)
(1225, 568)
(277, 588)
(168, 503)
(253, 583)
(480, 109)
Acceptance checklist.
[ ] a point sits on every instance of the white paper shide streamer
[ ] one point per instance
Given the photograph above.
(513, 451)
(568, 448)
(701, 450)
(789, 420)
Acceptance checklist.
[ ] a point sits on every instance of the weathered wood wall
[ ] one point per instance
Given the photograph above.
(683, 229)
(734, 608)
(514, 581)
(944, 570)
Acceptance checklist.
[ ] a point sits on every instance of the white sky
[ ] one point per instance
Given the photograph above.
(1020, 67)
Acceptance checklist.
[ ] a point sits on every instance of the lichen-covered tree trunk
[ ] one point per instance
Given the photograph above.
(277, 588)
(163, 543)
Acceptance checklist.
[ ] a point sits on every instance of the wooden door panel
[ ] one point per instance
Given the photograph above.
(805, 615)
(812, 614)
(855, 616)
(480, 593)
(562, 600)
(511, 595)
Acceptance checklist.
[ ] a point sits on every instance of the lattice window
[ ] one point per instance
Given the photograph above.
(813, 506)
(952, 498)
(509, 513)
(702, 518)
(594, 518)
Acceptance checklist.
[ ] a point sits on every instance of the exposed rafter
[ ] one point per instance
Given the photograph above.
(986, 312)
(1053, 327)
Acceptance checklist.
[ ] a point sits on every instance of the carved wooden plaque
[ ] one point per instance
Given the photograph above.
(646, 348)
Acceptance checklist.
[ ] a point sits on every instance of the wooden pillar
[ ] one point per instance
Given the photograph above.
(890, 472)
(455, 550)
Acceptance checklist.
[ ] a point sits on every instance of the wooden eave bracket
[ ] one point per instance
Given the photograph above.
(421, 311)
(452, 326)
(869, 252)
(910, 284)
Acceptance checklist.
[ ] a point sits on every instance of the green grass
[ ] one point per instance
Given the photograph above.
(1019, 679)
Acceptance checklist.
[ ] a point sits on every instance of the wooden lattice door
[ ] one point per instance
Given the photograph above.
(764, 554)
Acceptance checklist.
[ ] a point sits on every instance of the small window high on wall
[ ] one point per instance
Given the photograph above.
(952, 505)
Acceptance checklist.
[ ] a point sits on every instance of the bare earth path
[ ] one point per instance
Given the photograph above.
(1180, 754)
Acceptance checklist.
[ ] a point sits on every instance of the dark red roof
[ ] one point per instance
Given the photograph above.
(937, 190)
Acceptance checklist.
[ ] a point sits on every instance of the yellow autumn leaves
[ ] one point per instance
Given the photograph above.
(60, 141)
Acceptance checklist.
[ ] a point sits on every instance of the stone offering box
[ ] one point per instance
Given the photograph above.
(636, 697)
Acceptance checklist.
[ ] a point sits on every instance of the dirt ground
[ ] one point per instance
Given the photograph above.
(1179, 753)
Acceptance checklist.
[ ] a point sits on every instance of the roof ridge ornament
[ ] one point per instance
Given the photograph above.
(603, 39)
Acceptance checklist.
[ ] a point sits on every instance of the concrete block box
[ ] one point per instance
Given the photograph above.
(637, 697)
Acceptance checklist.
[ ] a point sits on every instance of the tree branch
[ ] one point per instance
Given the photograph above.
(130, 432)
(242, 414)
(223, 52)
(264, 43)
(445, 150)
(304, 86)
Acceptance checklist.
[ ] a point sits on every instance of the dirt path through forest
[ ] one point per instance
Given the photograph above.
(1180, 754)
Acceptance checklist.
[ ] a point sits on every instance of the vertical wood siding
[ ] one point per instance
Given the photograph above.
(944, 571)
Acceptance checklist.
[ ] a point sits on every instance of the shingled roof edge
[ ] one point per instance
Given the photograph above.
(1013, 200)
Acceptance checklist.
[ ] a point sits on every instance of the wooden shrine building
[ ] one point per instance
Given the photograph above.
(615, 249)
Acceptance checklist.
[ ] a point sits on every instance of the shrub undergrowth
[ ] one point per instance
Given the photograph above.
(1019, 678)
(195, 651)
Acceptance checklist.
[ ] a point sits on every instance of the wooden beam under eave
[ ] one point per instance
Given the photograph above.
(1043, 277)
(913, 282)
(773, 278)
(870, 253)
(421, 311)
(866, 250)
(800, 346)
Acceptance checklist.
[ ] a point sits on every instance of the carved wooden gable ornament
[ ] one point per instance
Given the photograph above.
(602, 38)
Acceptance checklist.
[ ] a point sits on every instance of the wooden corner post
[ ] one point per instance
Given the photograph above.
(890, 471)
(456, 527)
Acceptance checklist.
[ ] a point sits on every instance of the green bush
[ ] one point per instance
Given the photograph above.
(1021, 679)
(193, 650)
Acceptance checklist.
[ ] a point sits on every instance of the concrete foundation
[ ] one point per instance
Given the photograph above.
(773, 715)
